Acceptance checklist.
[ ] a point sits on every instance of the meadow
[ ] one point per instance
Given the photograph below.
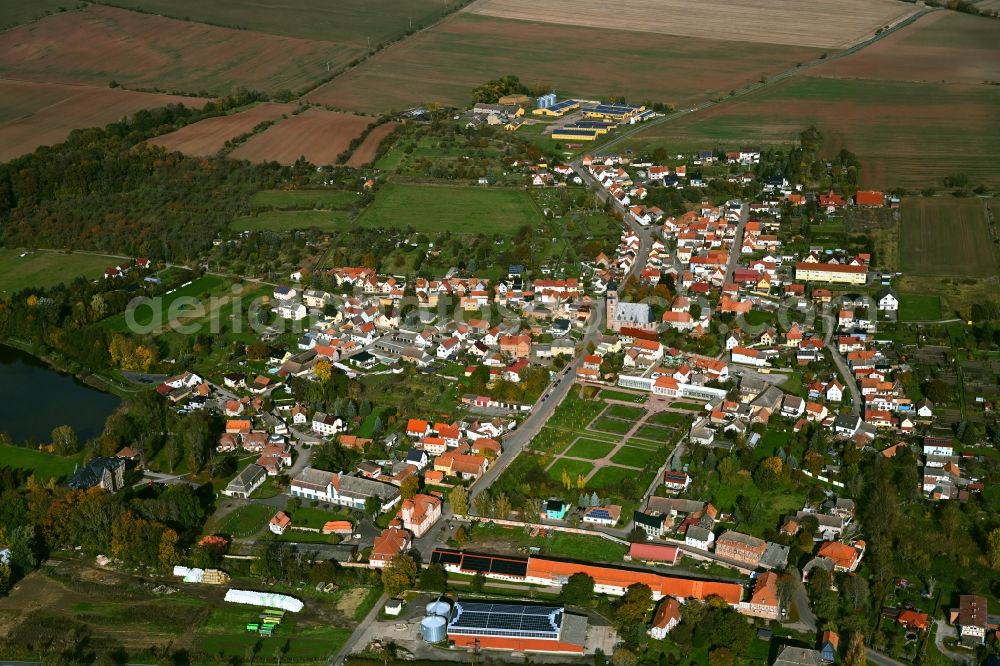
(434, 208)
(905, 134)
(304, 199)
(16, 12)
(43, 465)
(156, 314)
(445, 63)
(291, 220)
(45, 269)
(946, 236)
(919, 307)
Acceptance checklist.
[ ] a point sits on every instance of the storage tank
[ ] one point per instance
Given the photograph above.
(433, 628)
(438, 607)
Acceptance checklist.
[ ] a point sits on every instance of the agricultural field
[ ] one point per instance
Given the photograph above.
(364, 154)
(45, 269)
(445, 63)
(433, 208)
(43, 114)
(16, 12)
(349, 23)
(100, 44)
(209, 136)
(946, 236)
(905, 134)
(770, 21)
(939, 47)
(318, 135)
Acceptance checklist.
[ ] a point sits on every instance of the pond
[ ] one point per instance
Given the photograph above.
(34, 399)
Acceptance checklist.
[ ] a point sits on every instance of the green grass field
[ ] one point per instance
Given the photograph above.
(315, 518)
(304, 199)
(200, 288)
(578, 547)
(655, 433)
(574, 467)
(667, 418)
(690, 406)
(632, 456)
(247, 520)
(291, 220)
(611, 425)
(625, 412)
(43, 465)
(946, 236)
(591, 449)
(45, 269)
(469, 210)
(609, 477)
(609, 394)
(919, 307)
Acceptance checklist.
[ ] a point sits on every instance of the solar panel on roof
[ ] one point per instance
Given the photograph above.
(446, 557)
(482, 618)
(509, 568)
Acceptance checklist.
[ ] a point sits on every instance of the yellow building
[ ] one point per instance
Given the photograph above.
(835, 273)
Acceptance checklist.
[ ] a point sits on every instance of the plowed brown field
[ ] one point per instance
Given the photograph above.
(938, 47)
(318, 135)
(38, 114)
(365, 153)
(822, 24)
(445, 63)
(208, 136)
(100, 44)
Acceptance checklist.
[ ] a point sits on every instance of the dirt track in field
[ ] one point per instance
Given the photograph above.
(818, 24)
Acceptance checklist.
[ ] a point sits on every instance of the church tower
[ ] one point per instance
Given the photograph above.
(611, 304)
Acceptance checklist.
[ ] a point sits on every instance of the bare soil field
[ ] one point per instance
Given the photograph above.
(365, 153)
(318, 135)
(445, 63)
(939, 47)
(101, 44)
(824, 24)
(207, 137)
(905, 134)
(945, 236)
(39, 114)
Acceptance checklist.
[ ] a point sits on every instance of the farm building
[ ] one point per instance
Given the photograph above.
(559, 109)
(504, 626)
(573, 134)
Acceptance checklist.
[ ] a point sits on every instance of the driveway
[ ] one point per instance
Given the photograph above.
(945, 630)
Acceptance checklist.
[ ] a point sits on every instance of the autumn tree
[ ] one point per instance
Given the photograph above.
(409, 487)
(459, 499)
(399, 575)
(993, 548)
(323, 371)
(633, 605)
(856, 651)
(64, 440)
